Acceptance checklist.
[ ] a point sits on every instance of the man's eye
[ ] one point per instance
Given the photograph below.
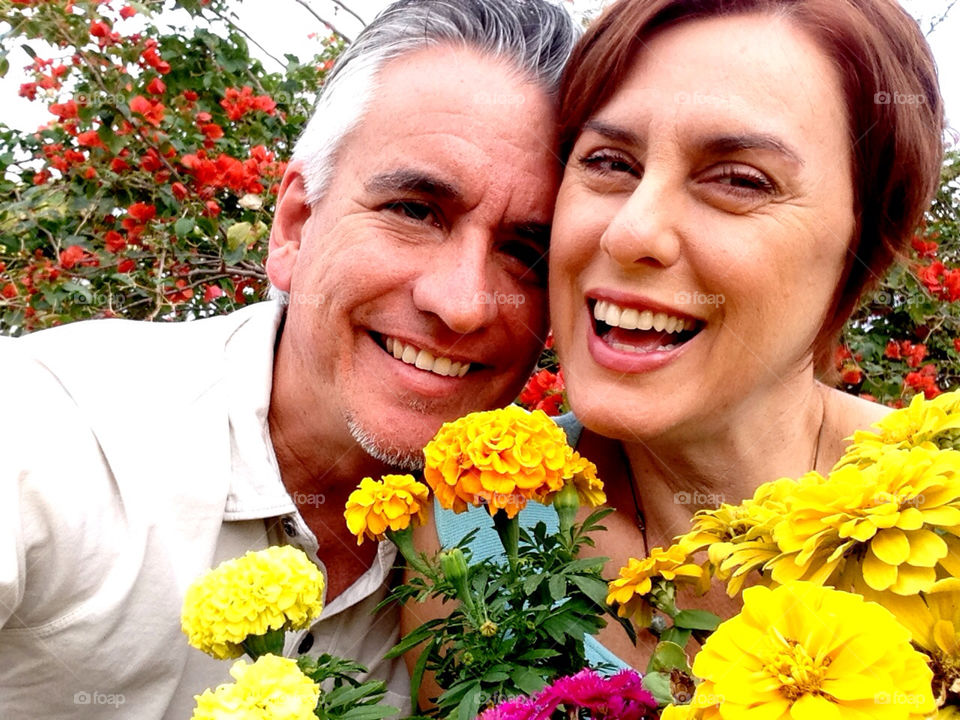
(421, 212)
(532, 259)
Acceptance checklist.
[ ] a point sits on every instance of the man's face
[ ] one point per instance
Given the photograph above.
(429, 244)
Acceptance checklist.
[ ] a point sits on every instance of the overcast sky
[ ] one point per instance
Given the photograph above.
(283, 26)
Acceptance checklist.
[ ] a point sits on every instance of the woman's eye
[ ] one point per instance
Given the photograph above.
(421, 212)
(744, 181)
(605, 163)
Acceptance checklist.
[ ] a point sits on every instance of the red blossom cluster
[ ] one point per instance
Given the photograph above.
(849, 365)
(906, 350)
(44, 80)
(224, 171)
(544, 391)
(924, 380)
(238, 103)
(941, 282)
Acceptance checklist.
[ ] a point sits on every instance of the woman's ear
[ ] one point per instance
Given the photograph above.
(289, 220)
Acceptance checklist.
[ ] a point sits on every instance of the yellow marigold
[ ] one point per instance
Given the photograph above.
(679, 712)
(886, 527)
(635, 581)
(273, 589)
(933, 620)
(272, 688)
(805, 652)
(589, 487)
(392, 502)
(499, 458)
(934, 421)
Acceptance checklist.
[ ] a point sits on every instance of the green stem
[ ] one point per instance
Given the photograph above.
(403, 539)
(509, 531)
(270, 643)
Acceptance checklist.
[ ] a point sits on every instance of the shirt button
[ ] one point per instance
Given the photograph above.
(288, 527)
(305, 644)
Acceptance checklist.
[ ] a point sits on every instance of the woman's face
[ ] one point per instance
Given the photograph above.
(701, 229)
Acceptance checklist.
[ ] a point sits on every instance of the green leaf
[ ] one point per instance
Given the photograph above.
(416, 677)
(4, 66)
(668, 656)
(593, 588)
(29, 51)
(658, 684)
(696, 620)
(678, 636)
(469, 706)
(557, 586)
(527, 680)
(184, 226)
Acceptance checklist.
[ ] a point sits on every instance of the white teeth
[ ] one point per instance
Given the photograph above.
(633, 319)
(424, 359)
(640, 351)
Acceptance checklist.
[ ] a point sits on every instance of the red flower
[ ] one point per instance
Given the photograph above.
(99, 29)
(28, 90)
(126, 265)
(212, 209)
(893, 350)
(852, 375)
(119, 165)
(114, 241)
(923, 381)
(142, 212)
(190, 95)
(156, 87)
(956, 344)
(924, 248)
(89, 173)
(238, 103)
(9, 291)
(915, 354)
(951, 285)
(127, 12)
(64, 111)
(90, 138)
(930, 276)
(151, 110)
(543, 391)
(212, 292)
(71, 256)
(179, 190)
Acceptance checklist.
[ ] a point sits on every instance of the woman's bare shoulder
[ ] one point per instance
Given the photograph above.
(844, 415)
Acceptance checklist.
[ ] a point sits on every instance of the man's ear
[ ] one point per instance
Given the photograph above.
(286, 232)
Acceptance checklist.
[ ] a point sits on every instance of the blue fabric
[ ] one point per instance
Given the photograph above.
(451, 528)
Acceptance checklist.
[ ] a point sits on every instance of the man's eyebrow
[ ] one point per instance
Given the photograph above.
(725, 144)
(411, 181)
(612, 132)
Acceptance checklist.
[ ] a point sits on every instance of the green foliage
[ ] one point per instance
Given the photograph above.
(344, 697)
(150, 193)
(905, 338)
(517, 626)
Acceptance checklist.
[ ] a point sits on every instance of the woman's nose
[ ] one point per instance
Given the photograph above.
(644, 230)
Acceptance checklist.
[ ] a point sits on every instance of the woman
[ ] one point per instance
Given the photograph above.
(737, 173)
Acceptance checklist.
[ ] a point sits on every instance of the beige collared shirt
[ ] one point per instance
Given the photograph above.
(133, 457)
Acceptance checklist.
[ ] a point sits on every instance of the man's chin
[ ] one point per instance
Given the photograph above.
(401, 457)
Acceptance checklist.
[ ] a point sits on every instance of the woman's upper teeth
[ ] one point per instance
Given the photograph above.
(424, 359)
(633, 319)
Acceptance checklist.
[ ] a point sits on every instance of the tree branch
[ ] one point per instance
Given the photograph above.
(937, 20)
(325, 22)
(349, 10)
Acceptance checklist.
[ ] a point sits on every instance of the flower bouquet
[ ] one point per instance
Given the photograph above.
(245, 606)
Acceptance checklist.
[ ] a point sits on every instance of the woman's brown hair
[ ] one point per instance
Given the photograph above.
(893, 106)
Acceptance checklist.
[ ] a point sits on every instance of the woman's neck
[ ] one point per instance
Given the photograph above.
(763, 439)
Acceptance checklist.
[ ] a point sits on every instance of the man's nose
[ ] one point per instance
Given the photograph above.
(456, 286)
(644, 230)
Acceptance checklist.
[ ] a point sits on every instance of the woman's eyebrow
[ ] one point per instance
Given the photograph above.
(724, 144)
(612, 132)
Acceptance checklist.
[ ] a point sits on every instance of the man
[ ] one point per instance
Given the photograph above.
(408, 243)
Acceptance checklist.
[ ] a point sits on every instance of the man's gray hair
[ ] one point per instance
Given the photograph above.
(534, 36)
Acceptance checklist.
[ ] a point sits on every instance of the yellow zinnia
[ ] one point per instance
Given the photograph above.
(934, 421)
(394, 502)
(272, 688)
(894, 521)
(273, 589)
(631, 589)
(805, 652)
(500, 459)
(933, 620)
